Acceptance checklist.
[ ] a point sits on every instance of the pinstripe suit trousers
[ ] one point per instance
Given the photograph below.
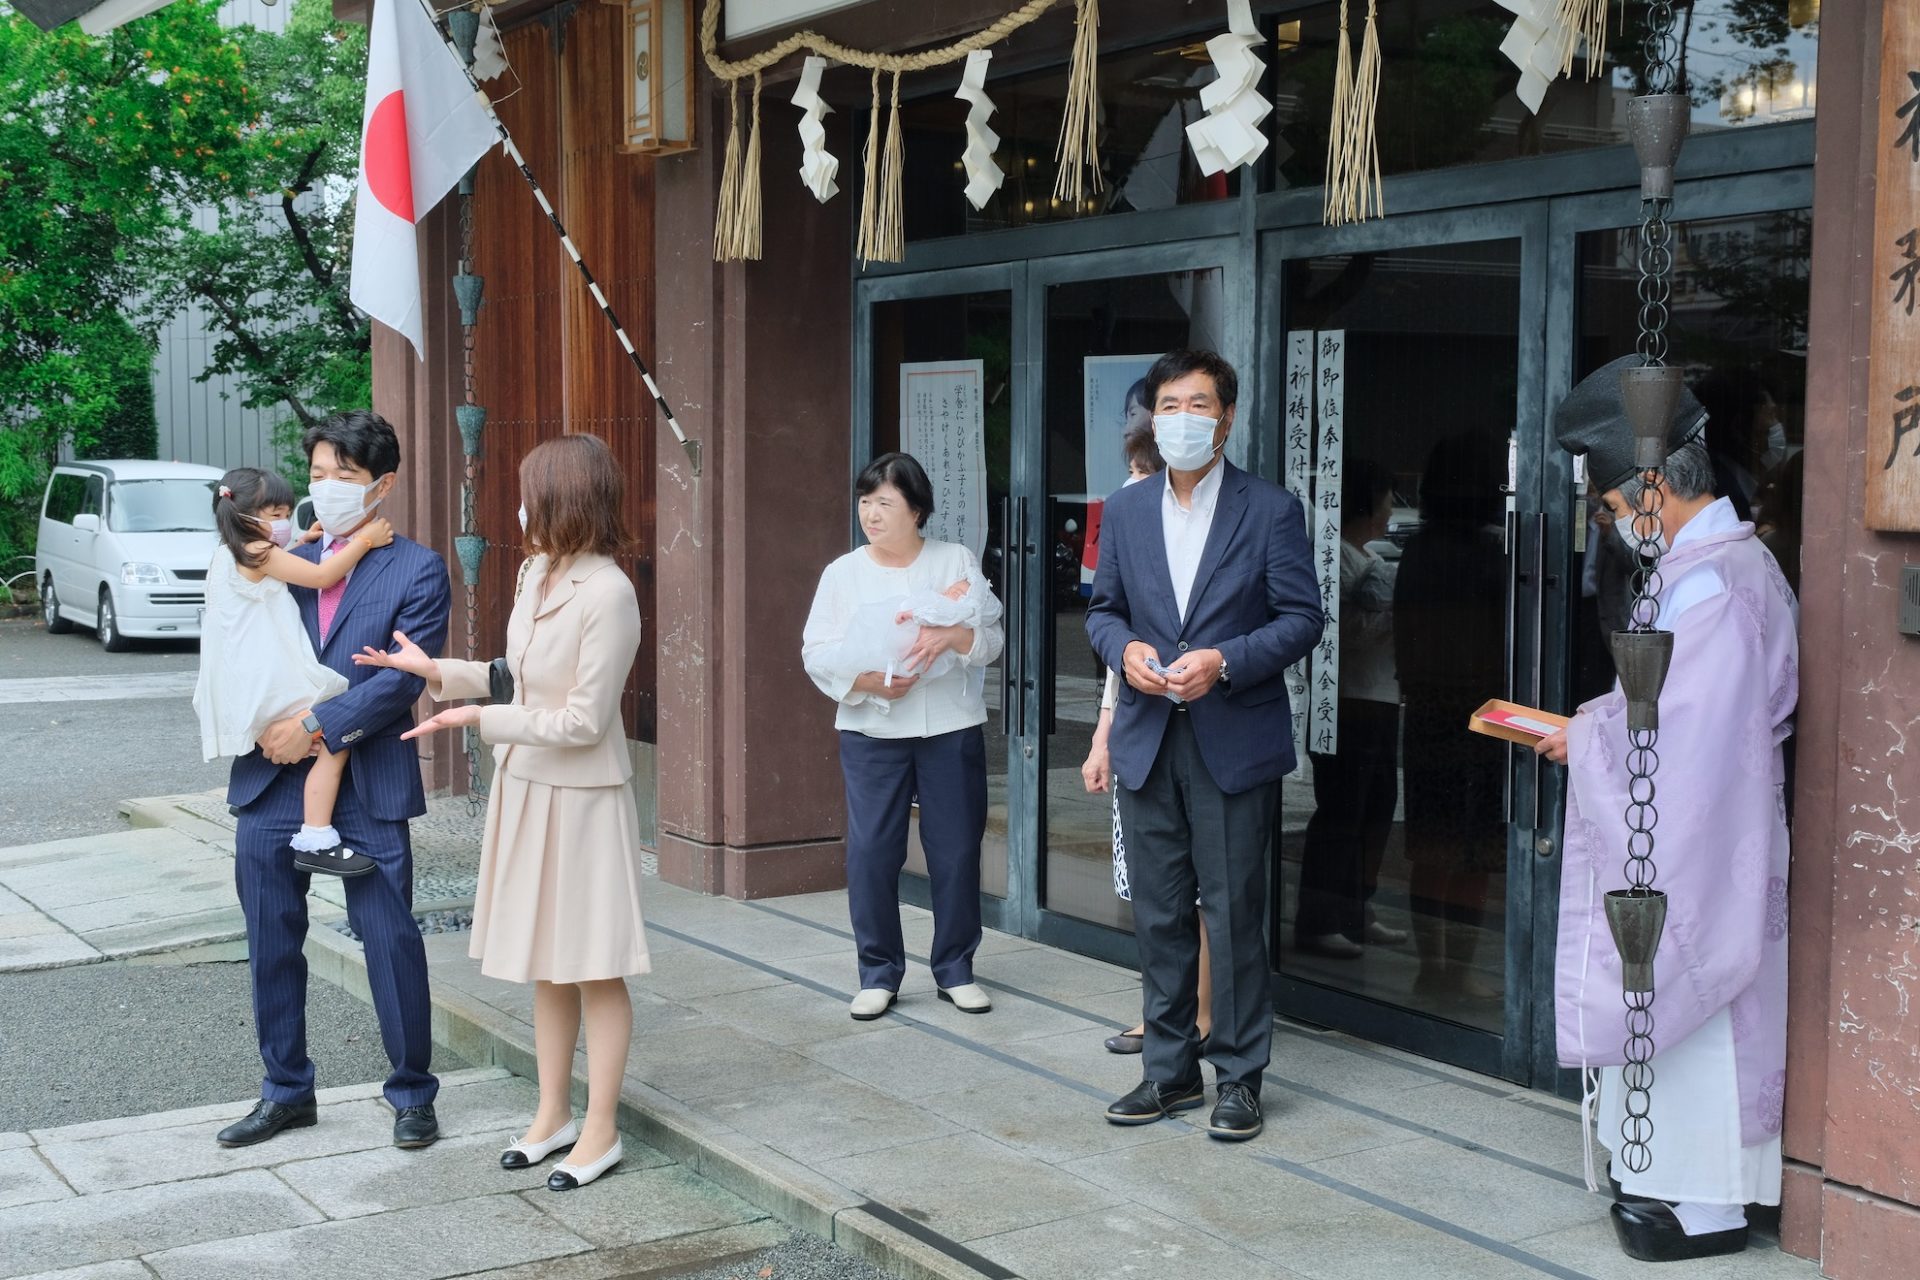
(379, 907)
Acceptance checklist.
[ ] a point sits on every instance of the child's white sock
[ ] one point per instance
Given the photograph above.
(314, 839)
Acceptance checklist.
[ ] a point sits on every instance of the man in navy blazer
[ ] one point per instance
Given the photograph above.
(1204, 596)
(402, 587)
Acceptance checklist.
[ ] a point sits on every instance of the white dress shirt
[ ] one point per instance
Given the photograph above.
(1186, 529)
(940, 704)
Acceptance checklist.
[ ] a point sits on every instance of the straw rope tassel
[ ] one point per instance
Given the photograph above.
(1361, 180)
(726, 211)
(1584, 21)
(746, 227)
(890, 223)
(870, 183)
(1078, 153)
(1336, 180)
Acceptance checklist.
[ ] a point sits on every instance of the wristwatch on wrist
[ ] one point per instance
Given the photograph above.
(1224, 677)
(311, 723)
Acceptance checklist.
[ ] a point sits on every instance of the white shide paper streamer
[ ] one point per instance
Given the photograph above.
(983, 175)
(817, 164)
(489, 55)
(1229, 135)
(1537, 44)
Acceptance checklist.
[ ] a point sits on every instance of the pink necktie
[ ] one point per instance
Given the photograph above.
(330, 596)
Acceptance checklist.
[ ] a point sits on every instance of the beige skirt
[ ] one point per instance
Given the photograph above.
(559, 892)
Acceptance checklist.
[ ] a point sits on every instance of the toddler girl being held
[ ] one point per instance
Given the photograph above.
(256, 662)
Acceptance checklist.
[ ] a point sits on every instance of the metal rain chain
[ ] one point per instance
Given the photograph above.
(464, 26)
(1636, 915)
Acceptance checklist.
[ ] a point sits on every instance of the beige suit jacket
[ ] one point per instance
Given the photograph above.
(570, 655)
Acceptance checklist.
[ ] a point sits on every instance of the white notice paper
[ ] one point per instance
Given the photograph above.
(1296, 473)
(1323, 733)
(943, 425)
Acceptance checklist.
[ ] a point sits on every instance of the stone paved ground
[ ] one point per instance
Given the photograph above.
(154, 1196)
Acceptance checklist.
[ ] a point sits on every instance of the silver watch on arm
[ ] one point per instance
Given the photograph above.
(1224, 677)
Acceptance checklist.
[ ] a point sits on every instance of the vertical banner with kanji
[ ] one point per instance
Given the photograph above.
(1296, 470)
(943, 425)
(1893, 379)
(1330, 355)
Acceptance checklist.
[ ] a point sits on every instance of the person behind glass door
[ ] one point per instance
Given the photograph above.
(1746, 435)
(1449, 646)
(907, 738)
(1355, 789)
(558, 898)
(1143, 462)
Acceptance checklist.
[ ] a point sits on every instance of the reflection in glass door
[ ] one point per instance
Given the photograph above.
(948, 331)
(1394, 843)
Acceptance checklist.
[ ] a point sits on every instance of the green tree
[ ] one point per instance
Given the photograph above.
(105, 146)
(130, 429)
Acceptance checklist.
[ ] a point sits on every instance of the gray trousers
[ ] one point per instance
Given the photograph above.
(1185, 837)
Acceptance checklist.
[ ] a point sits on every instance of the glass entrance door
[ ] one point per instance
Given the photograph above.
(1410, 398)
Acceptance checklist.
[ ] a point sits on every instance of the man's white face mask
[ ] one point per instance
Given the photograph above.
(1185, 439)
(1632, 542)
(341, 505)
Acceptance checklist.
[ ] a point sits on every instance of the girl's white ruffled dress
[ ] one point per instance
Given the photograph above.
(256, 663)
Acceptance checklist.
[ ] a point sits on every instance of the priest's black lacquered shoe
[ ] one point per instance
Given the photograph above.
(1236, 1116)
(1149, 1102)
(1649, 1232)
(267, 1119)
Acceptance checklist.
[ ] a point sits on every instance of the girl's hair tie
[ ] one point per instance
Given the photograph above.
(226, 492)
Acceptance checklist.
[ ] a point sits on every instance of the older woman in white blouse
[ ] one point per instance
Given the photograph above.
(910, 729)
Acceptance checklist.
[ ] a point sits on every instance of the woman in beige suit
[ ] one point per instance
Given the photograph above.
(558, 902)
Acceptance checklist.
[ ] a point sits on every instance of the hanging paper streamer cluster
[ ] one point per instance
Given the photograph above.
(1545, 38)
(489, 55)
(1353, 190)
(983, 175)
(882, 233)
(1229, 135)
(817, 165)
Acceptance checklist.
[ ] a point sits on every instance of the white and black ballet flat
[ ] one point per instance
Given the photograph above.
(525, 1155)
(567, 1177)
(337, 861)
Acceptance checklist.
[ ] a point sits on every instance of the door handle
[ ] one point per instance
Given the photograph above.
(1011, 611)
(1024, 547)
(1051, 636)
(1513, 600)
(1538, 684)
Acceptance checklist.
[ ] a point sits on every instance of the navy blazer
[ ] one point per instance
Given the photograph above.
(399, 587)
(1254, 599)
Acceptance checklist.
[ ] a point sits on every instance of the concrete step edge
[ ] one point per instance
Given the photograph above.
(765, 1178)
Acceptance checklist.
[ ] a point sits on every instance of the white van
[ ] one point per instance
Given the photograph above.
(124, 549)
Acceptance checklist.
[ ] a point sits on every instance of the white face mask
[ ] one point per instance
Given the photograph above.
(280, 533)
(341, 505)
(1632, 543)
(1776, 446)
(1185, 439)
(523, 517)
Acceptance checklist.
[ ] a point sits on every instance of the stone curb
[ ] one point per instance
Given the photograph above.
(750, 1169)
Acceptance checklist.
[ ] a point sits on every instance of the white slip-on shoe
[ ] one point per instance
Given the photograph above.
(970, 997)
(525, 1155)
(567, 1177)
(870, 1003)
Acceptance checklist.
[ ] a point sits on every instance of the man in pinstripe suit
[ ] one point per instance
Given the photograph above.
(402, 587)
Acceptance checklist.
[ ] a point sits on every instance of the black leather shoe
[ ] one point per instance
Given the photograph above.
(1236, 1116)
(415, 1127)
(1124, 1043)
(267, 1119)
(1149, 1102)
(1649, 1232)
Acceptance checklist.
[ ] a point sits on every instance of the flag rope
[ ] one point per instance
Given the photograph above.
(566, 242)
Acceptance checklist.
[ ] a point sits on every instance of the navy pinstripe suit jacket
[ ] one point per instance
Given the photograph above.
(401, 587)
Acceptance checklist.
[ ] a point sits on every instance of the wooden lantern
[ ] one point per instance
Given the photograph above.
(660, 81)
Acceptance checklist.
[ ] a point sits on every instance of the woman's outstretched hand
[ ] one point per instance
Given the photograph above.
(451, 718)
(409, 657)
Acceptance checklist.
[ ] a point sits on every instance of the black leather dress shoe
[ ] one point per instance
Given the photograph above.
(267, 1119)
(1149, 1102)
(415, 1127)
(1236, 1116)
(1649, 1232)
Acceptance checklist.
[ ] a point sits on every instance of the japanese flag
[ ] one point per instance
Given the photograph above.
(424, 127)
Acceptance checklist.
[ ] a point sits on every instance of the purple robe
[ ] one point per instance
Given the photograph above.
(1721, 841)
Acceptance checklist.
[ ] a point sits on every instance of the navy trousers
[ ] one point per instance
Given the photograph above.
(948, 774)
(379, 907)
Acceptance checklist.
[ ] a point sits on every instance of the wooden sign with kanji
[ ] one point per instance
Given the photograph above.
(1893, 384)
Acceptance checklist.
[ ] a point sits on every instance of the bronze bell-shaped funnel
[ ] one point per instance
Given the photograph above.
(1657, 124)
(1642, 658)
(1651, 394)
(1637, 917)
